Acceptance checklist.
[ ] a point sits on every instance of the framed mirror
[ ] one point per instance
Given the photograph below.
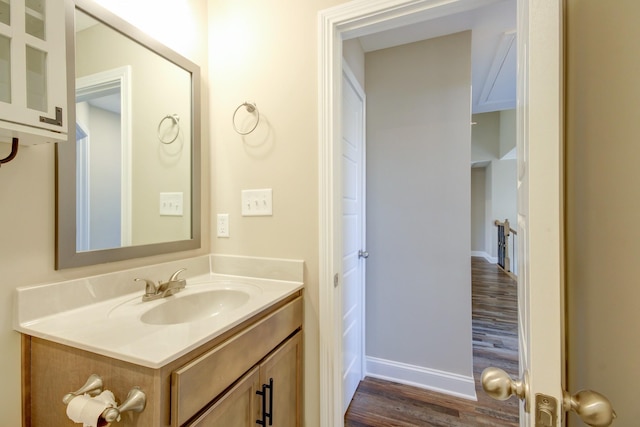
(128, 178)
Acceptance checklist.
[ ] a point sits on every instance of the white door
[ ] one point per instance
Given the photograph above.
(353, 236)
(540, 184)
(540, 181)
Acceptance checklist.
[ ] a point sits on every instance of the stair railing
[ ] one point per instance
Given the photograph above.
(507, 247)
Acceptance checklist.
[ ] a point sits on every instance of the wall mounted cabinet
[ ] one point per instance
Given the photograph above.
(33, 71)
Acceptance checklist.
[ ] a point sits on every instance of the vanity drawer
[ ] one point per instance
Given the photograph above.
(197, 383)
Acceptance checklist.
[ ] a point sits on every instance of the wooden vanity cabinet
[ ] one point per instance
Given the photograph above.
(213, 385)
(271, 389)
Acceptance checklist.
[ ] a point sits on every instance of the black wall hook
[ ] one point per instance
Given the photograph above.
(14, 152)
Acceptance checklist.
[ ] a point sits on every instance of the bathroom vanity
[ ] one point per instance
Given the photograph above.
(237, 363)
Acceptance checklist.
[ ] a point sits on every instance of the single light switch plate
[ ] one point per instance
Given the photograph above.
(223, 225)
(171, 204)
(257, 202)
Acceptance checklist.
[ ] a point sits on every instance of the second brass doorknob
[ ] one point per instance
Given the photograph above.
(499, 385)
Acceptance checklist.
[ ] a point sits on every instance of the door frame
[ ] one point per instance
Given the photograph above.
(539, 168)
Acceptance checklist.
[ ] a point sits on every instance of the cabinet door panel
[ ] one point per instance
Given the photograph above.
(238, 407)
(284, 366)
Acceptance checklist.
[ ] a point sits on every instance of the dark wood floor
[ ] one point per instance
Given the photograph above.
(380, 403)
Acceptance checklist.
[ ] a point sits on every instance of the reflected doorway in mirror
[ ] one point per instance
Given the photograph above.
(103, 162)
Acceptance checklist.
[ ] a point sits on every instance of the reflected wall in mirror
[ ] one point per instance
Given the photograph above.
(128, 185)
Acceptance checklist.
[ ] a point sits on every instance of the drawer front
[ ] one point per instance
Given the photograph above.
(196, 384)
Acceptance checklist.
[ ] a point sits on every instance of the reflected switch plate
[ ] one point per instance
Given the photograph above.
(171, 204)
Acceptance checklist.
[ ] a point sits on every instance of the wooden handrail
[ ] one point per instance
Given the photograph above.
(498, 223)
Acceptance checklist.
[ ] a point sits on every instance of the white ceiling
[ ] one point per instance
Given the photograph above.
(493, 54)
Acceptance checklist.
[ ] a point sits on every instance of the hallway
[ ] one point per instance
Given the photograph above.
(379, 403)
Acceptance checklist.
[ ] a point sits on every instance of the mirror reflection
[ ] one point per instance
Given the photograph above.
(127, 182)
(126, 168)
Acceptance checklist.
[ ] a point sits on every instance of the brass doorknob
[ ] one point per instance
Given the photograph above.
(592, 407)
(499, 385)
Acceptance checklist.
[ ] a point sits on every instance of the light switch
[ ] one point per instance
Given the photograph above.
(171, 204)
(257, 202)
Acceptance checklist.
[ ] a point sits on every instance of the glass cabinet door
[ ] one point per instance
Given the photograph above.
(5, 9)
(5, 52)
(33, 80)
(34, 18)
(5, 68)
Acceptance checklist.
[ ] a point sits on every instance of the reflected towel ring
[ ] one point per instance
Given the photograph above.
(176, 122)
(250, 109)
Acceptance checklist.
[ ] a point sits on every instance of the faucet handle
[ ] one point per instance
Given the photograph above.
(174, 276)
(150, 287)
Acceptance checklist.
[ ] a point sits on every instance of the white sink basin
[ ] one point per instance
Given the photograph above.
(154, 333)
(195, 303)
(195, 306)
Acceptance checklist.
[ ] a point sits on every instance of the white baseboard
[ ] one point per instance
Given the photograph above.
(417, 376)
(492, 260)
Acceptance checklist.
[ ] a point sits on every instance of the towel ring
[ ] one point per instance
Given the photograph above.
(176, 122)
(250, 109)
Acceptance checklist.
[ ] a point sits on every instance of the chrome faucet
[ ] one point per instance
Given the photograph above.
(163, 289)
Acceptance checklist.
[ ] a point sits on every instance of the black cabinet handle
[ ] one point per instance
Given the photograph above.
(270, 414)
(263, 393)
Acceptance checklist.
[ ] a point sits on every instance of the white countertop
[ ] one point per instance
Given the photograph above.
(113, 327)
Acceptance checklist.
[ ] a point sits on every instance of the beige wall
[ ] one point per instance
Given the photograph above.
(266, 52)
(501, 199)
(485, 137)
(603, 201)
(507, 132)
(478, 211)
(27, 191)
(493, 136)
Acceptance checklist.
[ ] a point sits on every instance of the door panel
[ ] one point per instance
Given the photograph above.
(540, 181)
(352, 236)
